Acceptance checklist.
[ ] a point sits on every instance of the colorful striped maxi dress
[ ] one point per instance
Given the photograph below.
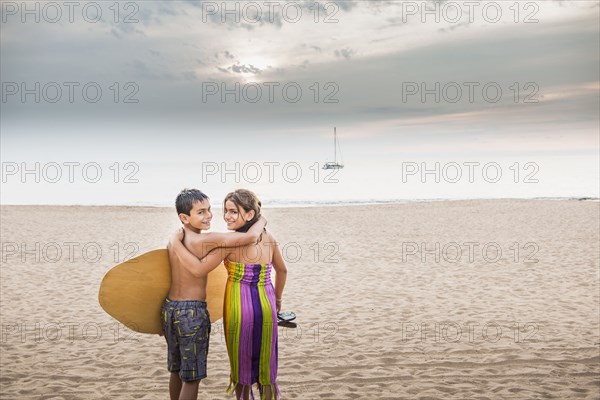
(250, 325)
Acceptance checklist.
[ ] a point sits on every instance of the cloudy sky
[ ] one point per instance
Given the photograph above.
(501, 97)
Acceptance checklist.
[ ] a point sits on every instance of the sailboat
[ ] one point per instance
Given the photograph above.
(334, 164)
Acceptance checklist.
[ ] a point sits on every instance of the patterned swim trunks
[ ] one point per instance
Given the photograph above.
(186, 326)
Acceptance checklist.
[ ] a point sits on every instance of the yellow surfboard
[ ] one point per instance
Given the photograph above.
(133, 292)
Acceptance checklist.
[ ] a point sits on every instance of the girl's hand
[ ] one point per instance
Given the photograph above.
(177, 236)
(278, 305)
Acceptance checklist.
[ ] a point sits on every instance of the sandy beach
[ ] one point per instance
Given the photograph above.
(486, 299)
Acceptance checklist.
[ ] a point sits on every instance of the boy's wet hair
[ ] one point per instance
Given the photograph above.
(186, 198)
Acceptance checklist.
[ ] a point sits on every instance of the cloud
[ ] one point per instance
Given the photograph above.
(245, 69)
(166, 9)
(344, 53)
(464, 24)
(189, 75)
(331, 7)
(225, 54)
(116, 34)
(174, 57)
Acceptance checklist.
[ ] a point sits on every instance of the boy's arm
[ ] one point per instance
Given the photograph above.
(201, 245)
(198, 268)
(280, 275)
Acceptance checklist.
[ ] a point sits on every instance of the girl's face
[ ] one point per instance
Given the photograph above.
(235, 216)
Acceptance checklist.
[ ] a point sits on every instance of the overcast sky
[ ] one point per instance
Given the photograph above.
(518, 83)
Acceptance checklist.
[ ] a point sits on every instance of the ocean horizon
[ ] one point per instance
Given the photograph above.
(284, 203)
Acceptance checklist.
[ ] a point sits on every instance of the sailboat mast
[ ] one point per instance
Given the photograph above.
(334, 145)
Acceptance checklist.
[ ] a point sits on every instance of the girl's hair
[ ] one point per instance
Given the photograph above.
(248, 201)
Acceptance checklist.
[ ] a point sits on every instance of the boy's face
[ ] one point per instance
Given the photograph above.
(200, 216)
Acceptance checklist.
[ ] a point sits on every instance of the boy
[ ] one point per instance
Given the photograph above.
(186, 322)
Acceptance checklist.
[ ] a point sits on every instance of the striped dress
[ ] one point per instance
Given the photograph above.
(250, 325)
